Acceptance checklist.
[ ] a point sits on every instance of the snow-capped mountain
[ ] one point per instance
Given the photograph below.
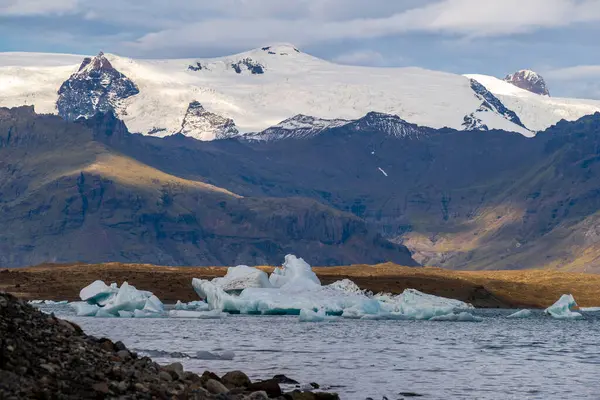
(298, 127)
(528, 80)
(96, 87)
(255, 90)
(204, 125)
(305, 127)
(534, 111)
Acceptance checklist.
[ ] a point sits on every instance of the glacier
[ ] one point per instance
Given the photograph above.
(296, 290)
(562, 309)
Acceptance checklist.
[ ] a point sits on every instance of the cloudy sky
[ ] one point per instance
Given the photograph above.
(557, 38)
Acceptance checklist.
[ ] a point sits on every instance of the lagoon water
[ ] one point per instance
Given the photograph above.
(499, 358)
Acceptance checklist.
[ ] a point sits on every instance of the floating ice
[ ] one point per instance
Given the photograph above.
(242, 277)
(98, 292)
(154, 305)
(521, 314)
(103, 313)
(84, 309)
(297, 288)
(214, 314)
(112, 301)
(144, 314)
(346, 286)
(125, 314)
(55, 303)
(589, 309)
(461, 317)
(562, 308)
(312, 316)
(128, 298)
(192, 305)
(294, 271)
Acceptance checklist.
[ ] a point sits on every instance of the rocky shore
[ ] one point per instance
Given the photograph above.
(44, 357)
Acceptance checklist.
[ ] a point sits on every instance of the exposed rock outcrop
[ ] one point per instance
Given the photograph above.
(529, 80)
(96, 87)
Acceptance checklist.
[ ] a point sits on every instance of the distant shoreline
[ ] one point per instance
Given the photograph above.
(483, 289)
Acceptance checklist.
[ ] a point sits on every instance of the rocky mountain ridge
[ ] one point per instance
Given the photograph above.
(528, 80)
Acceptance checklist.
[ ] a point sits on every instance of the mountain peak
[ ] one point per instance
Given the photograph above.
(280, 49)
(528, 80)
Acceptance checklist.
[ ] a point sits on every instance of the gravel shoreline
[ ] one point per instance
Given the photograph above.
(44, 357)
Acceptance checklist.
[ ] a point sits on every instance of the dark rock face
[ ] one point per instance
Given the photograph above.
(492, 103)
(67, 193)
(96, 87)
(201, 124)
(391, 125)
(254, 67)
(297, 127)
(530, 81)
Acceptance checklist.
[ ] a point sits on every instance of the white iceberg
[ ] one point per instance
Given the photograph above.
(460, 317)
(192, 305)
(214, 314)
(154, 305)
(98, 292)
(113, 301)
(294, 271)
(84, 309)
(55, 303)
(103, 313)
(125, 314)
(242, 277)
(312, 316)
(137, 313)
(562, 309)
(521, 314)
(297, 288)
(128, 298)
(589, 309)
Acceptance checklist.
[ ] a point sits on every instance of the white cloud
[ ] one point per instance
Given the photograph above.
(361, 57)
(36, 7)
(574, 73)
(304, 22)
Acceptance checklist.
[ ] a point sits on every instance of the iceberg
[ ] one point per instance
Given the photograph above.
(295, 287)
(55, 303)
(214, 314)
(589, 309)
(311, 316)
(242, 277)
(562, 309)
(294, 271)
(125, 314)
(128, 298)
(521, 314)
(98, 292)
(461, 317)
(192, 305)
(154, 305)
(113, 301)
(84, 309)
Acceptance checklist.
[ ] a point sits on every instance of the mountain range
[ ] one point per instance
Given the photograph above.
(337, 164)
